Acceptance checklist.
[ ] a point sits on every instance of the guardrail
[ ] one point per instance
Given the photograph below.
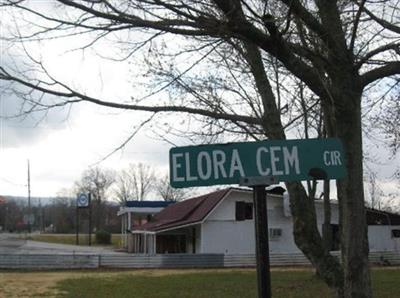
(75, 261)
(31, 261)
(163, 261)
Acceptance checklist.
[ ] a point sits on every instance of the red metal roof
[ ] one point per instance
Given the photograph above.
(186, 212)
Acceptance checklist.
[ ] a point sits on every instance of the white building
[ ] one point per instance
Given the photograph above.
(136, 213)
(222, 222)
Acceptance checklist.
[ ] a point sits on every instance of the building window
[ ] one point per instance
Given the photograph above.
(275, 233)
(395, 233)
(244, 211)
(249, 211)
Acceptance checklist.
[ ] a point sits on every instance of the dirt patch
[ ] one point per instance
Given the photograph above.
(394, 268)
(30, 284)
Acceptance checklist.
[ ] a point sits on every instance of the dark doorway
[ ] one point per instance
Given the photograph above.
(167, 244)
(335, 237)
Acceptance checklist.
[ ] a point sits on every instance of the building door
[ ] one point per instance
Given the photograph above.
(335, 244)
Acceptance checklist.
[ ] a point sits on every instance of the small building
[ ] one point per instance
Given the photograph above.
(137, 213)
(222, 222)
(383, 230)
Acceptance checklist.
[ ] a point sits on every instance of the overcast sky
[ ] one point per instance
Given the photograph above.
(63, 143)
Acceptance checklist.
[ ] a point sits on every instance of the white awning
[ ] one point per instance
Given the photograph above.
(139, 210)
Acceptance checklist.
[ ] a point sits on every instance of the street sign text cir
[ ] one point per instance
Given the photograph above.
(287, 160)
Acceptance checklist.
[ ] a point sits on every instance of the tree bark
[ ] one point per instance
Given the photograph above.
(345, 91)
(308, 238)
(354, 229)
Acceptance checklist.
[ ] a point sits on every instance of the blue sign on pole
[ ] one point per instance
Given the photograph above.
(83, 200)
(285, 160)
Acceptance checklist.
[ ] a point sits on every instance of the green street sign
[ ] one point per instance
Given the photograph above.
(285, 160)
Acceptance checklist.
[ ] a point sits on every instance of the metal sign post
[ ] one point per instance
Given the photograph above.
(77, 226)
(261, 231)
(90, 219)
(82, 201)
(262, 245)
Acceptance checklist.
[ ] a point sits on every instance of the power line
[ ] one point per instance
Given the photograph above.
(11, 182)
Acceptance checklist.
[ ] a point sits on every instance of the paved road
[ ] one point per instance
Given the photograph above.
(15, 244)
(10, 243)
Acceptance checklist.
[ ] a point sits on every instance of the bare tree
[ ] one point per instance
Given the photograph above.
(375, 192)
(168, 193)
(60, 215)
(134, 183)
(97, 182)
(11, 214)
(387, 120)
(123, 189)
(339, 50)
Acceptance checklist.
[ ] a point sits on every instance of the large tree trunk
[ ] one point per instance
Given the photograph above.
(308, 238)
(354, 230)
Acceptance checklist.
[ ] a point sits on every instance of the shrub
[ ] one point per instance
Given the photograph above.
(103, 237)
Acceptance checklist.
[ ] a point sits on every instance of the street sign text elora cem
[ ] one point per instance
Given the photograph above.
(285, 160)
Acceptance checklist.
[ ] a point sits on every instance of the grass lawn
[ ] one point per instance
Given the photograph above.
(219, 283)
(215, 283)
(71, 239)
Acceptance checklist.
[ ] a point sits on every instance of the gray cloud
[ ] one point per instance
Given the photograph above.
(26, 129)
(30, 128)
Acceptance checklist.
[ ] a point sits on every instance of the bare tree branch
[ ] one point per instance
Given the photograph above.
(390, 69)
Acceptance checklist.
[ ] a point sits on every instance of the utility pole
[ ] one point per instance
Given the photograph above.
(29, 199)
(41, 216)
